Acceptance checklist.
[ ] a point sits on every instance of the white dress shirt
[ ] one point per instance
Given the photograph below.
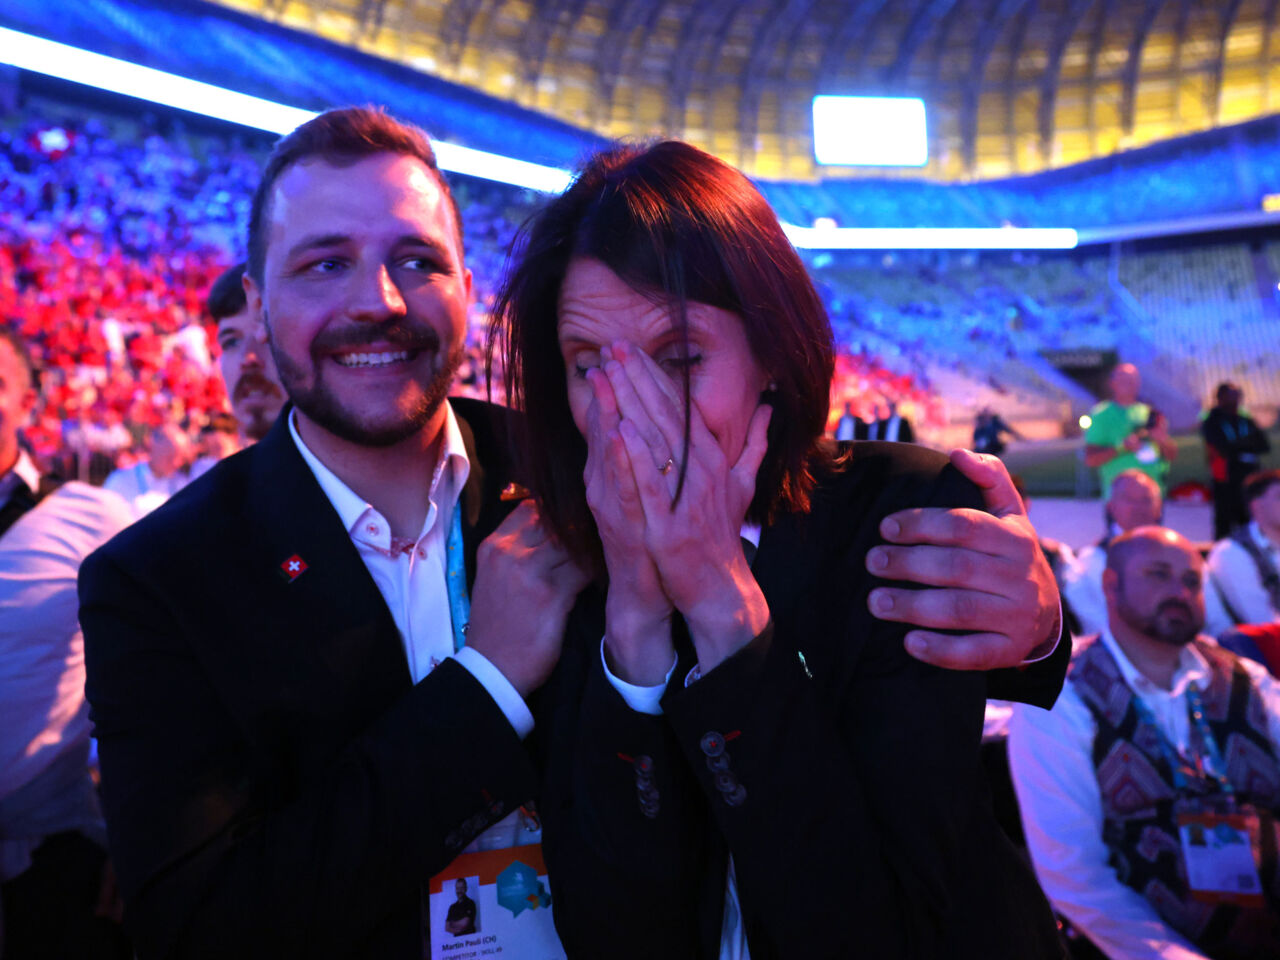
(45, 786)
(412, 581)
(1236, 575)
(1050, 758)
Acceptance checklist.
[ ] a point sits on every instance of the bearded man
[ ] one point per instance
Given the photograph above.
(1150, 791)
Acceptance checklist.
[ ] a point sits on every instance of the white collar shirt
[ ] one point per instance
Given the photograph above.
(1233, 577)
(411, 575)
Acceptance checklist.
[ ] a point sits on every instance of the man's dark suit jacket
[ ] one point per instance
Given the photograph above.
(299, 788)
(842, 774)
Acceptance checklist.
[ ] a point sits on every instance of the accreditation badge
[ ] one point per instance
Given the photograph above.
(493, 903)
(1220, 851)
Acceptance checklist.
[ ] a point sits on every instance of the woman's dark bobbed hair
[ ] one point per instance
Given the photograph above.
(680, 227)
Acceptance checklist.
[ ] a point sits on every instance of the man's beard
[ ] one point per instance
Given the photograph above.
(1175, 633)
(320, 406)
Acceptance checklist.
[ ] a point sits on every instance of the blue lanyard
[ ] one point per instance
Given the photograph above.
(1215, 768)
(455, 577)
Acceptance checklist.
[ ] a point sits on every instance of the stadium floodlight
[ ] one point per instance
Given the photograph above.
(931, 238)
(870, 131)
(38, 55)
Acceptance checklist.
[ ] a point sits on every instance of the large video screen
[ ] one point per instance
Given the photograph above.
(870, 131)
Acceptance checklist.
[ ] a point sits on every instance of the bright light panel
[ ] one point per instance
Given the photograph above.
(119, 76)
(870, 131)
(931, 238)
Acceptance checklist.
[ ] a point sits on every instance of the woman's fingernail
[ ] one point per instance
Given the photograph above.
(917, 646)
(890, 527)
(877, 559)
(881, 601)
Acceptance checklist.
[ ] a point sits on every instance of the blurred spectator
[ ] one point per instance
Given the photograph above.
(850, 427)
(56, 886)
(1061, 561)
(1157, 733)
(1135, 501)
(247, 367)
(150, 482)
(1125, 435)
(1233, 445)
(1244, 568)
(989, 430)
(892, 425)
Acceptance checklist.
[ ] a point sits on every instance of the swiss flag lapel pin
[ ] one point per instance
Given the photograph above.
(293, 568)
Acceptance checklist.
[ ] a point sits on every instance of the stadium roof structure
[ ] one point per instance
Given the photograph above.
(1012, 86)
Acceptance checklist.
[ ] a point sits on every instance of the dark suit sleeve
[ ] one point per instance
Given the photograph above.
(219, 856)
(1037, 683)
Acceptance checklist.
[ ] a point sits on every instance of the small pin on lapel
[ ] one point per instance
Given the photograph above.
(293, 568)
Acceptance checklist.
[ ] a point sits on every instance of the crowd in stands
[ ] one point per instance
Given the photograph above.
(110, 237)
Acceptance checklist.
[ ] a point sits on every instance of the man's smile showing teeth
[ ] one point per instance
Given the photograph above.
(376, 359)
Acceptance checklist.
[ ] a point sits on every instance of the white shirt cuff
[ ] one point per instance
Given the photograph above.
(499, 687)
(1062, 628)
(640, 699)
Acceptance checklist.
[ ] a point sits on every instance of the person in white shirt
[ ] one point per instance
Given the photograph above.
(1156, 721)
(149, 483)
(53, 863)
(1135, 501)
(1244, 568)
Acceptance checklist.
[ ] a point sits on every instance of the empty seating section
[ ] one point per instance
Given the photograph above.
(1207, 308)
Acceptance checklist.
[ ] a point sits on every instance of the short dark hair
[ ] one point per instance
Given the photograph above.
(339, 137)
(1258, 484)
(226, 296)
(14, 339)
(681, 226)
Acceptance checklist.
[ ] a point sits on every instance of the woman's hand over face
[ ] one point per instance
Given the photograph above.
(637, 611)
(695, 543)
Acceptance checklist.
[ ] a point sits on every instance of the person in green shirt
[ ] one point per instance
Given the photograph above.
(1125, 434)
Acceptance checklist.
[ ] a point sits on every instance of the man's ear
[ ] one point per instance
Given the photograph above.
(252, 295)
(1110, 584)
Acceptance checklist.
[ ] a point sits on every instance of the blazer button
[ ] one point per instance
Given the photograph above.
(718, 763)
(726, 782)
(736, 796)
(712, 744)
(644, 764)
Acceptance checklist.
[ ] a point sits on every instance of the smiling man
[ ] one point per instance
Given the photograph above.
(294, 737)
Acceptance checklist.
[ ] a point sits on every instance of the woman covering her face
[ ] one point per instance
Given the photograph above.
(748, 762)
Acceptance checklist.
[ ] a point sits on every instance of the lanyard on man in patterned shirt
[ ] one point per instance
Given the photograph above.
(1209, 762)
